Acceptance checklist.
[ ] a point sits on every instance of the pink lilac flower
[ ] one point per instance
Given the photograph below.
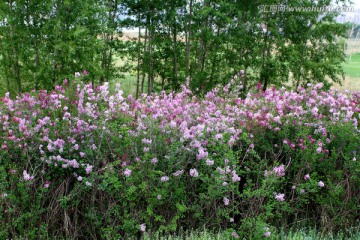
(47, 184)
(79, 178)
(27, 176)
(321, 184)
(127, 172)
(279, 171)
(202, 154)
(306, 177)
(178, 173)
(77, 74)
(226, 201)
(267, 233)
(82, 154)
(318, 150)
(142, 227)
(154, 160)
(235, 177)
(88, 169)
(194, 172)
(235, 235)
(209, 162)
(280, 197)
(164, 178)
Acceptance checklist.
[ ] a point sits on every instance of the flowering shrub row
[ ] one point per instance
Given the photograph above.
(79, 161)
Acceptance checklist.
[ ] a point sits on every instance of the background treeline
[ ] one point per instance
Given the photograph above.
(210, 41)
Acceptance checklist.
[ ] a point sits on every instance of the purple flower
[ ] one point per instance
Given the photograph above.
(235, 177)
(194, 172)
(127, 172)
(159, 197)
(85, 72)
(279, 171)
(226, 201)
(235, 235)
(321, 184)
(88, 184)
(267, 234)
(47, 184)
(201, 154)
(142, 227)
(164, 178)
(79, 178)
(209, 162)
(154, 160)
(27, 176)
(88, 169)
(280, 197)
(77, 74)
(306, 177)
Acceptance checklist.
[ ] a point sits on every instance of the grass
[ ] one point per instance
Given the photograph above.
(352, 65)
(312, 234)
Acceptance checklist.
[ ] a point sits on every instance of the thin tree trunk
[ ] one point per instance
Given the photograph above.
(138, 61)
(175, 70)
(188, 41)
(143, 60)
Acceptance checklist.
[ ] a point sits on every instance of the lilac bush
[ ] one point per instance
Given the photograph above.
(176, 160)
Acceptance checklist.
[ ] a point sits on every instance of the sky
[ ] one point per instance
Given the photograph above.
(356, 4)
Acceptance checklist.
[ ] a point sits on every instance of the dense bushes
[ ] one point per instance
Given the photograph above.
(80, 162)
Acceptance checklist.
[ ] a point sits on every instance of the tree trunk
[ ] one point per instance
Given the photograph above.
(138, 61)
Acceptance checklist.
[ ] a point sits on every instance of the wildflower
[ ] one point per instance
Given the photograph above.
(194, 172)
(85, 72)
(77, 74)
(306, 177)
(154, 160)
(164, 179)
(88, 184)
(231, 220)
(224, 184)
(79, 178)
(146, 149)
(82, 154)
(321, 184)
(127, 172)
(159, 197)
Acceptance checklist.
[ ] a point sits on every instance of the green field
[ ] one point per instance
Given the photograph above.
(352, 66)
